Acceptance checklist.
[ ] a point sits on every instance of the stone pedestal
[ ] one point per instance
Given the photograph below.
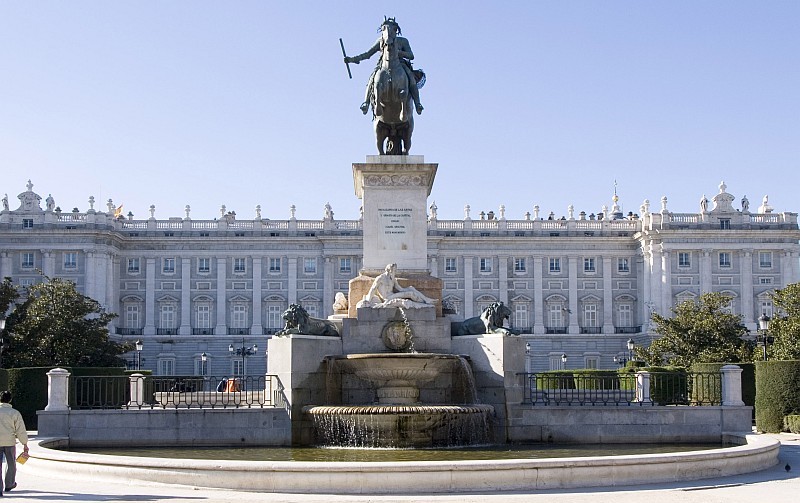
(394, 190)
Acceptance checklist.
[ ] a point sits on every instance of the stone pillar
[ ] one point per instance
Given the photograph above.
(150, 296)
(327, 287)
(657, 278)
(137, 390)
(469, 301)
(573, 296)
(5, 265)
(57, 390)
(748, 311)
(258, 327)
(292, 279)
(666, 281)
(394, 190)
(786, 269)
(642, 386)
(112, 284)
(434, 265)
(502, 266)
(608, 297)
(646, 301)
(48, 264)
(538, 296)
(732, 386)
(705, 271)
(222, 297)
(186, 299)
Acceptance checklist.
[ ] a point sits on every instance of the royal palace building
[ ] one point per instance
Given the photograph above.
(579, 286)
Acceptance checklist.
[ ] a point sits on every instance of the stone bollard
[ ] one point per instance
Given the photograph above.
(57, 390)
(642, 386)
(137, 390)
(732, 386)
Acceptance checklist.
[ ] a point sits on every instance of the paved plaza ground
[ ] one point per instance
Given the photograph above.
(774, 485)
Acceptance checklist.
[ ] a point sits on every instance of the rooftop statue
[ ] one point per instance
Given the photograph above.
(391, 88)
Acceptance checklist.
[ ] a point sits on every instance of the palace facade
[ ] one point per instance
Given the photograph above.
(579, 286)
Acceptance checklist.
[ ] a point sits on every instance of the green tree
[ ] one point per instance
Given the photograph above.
(8, 295)
(699, 332)
(785, 326)
(57, 325)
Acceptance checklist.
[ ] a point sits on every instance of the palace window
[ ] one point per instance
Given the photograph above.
(166, 366)
(684, 259)
(624, 315)
(310, 265)
(131, 316)
(27, 223)
(274, 265)
(239, 265)
(345, 265)
(168, 265)
(70, 260)
(133, 265)
(521, 315)
(239, 316)
(450, 265)
(486, 264)
(623, 264)
(203, 315)
(203, 265)
(590, 315)
(724, 259)
(27, 260)
(167, 316)
(556, 315)
(555, 264)
(519, 264)
(589, 264)
(765, 260)
(274, 319)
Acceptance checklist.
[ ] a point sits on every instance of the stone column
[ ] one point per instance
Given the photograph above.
(112, 284)
(222, 297)
(186, 299)
(656, 285)
(57, 390)
(608, 297)
(327, 287)
(643, 386)
(150, 296)
(502, 266)
(786, 269)
(573, 296)
(666, 281)
(48, 264)
(5, 265)
(258, 326)
(292, 278)
(705, 271)
(469, 301)
(732, 386)
(538, 296)
(647, 299)
(748, 311)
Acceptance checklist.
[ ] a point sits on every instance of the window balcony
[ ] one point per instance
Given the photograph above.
(627, 330)
(129, 331)
(271, 330)
(555, 330)
(202, 331)
(166, 331)
(591, 330)
(238, 331)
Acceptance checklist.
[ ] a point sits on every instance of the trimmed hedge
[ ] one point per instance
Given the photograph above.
(777, 393)
(28, 387)
(705, 394)
(792, 423)
(555, 379)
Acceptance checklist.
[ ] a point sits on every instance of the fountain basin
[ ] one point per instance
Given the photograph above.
(401, 426)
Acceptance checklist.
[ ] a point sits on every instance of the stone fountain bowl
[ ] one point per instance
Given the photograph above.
(398, 369)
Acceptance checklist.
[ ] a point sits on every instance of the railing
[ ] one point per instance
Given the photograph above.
(591, 330)
(238, 331)
(555, 330)
(129, 331)
(628, 330)
(146, 392)
(202, 331)
(166, 331)
(609, 388)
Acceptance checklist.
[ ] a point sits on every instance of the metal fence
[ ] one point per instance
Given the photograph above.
(663, 388)
(161, 392)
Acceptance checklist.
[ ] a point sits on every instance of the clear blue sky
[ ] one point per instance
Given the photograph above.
(248, 102)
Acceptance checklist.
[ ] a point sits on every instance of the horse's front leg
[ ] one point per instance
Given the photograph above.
(379, 137)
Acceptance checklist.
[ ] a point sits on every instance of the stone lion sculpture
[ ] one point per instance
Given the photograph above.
(489, 322)
(299, 322)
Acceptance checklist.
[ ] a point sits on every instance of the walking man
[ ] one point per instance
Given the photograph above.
(12, 428)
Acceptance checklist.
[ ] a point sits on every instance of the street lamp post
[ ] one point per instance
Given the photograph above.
(139, 348)
(763, 338)
(203, 362)
(244, 352)
(631, 346)
(564, 360)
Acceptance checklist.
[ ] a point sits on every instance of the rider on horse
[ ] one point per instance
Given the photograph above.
(390, 32)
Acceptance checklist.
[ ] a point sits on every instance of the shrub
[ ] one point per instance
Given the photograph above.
(595, 379)
(555, 379)
(792, 423)
(777, 393)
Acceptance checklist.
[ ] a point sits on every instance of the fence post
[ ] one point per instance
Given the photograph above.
(732, 386)
(137, 390)
(57, 390)
(642, 386)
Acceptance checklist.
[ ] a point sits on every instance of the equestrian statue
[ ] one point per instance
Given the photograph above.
(392, 88)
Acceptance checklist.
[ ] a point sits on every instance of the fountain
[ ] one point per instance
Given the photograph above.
(398, 419)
